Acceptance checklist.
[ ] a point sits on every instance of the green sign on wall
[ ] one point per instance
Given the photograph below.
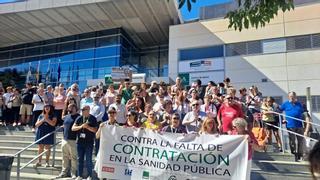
(185, 78)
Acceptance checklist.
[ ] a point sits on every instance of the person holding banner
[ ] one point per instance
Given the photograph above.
(193, 119)
(112, 121)
(240, 127)
(209, 126)
(132, 119)
(86, 127)
(121, 110)
(151, 122)
(174, 126)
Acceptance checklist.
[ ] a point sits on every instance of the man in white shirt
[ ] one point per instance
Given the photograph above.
(121, 110)
(97, 110)
(194, 118)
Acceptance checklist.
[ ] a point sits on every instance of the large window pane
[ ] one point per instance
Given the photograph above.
(49, 49)
(32, 51)
(66, 47)
(254, 47)
(108, 51)
(18, 53)
(299, 42)
(201, 53)
(3, 63)
(107, 41)
(84, 54)
(4, 55)
(106, 62)
(316, 40)
(84, 64)
(66, 57)
(85, 44)
(236, 49)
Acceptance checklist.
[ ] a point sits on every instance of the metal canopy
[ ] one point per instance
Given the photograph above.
(146, 21)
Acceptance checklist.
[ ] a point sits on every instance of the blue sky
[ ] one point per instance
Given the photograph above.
(8, 1)
(194, 13)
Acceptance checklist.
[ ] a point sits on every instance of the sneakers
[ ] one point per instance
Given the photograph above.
(73, 177)
(37, 165)
(79, 178)
(297, 158)
(33, 130)
(89, 178)
(63, 175)
(47, 165)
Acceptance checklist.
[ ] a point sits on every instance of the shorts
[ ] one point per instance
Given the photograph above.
(26, 109)
(271, 127)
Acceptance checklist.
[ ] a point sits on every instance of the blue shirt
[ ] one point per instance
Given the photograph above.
(68, 121)
(294, 110)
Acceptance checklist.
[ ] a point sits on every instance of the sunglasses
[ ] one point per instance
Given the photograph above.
(85, 109)
(175, 118)
(195, 104)
(111, 112)
(128, 115)
(230, 98)
(151, 114)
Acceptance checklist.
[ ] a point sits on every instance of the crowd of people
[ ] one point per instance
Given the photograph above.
(214, 108)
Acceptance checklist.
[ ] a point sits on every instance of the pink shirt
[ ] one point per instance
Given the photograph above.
(59, 102)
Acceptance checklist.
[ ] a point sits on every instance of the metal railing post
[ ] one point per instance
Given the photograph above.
(18, 166)
(54, 149)
(281, 134)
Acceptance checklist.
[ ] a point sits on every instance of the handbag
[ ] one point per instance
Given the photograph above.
(315, 135)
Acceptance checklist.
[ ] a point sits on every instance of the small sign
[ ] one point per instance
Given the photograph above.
(119, 74)
(185, 78)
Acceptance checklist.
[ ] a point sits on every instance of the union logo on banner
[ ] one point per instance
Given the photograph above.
(108, 169)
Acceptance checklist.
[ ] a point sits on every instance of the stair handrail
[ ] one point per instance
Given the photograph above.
(18, 154)
(283, 129)
(301, 120)
(297, 134)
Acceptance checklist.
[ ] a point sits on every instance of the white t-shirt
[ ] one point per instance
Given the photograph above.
(121, 112)
(38, 104)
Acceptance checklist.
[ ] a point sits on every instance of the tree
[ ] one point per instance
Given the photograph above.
(252, 13)
(11, 77)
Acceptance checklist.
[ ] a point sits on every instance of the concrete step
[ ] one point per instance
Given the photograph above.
(257, 174)
(27, 158)
(6, 143)
(19, 137)
(18, 130)
(273, 156)
(30, 151)
(281, 166)
(31, 176)
(39, 170)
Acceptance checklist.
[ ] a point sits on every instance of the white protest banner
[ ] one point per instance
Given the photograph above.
(127, 153)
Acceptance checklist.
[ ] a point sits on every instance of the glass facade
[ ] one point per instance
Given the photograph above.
(78, 58)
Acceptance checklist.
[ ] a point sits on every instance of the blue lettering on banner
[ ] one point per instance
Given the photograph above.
(128, 172)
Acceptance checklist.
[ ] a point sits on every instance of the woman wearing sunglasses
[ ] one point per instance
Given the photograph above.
(132, 119)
